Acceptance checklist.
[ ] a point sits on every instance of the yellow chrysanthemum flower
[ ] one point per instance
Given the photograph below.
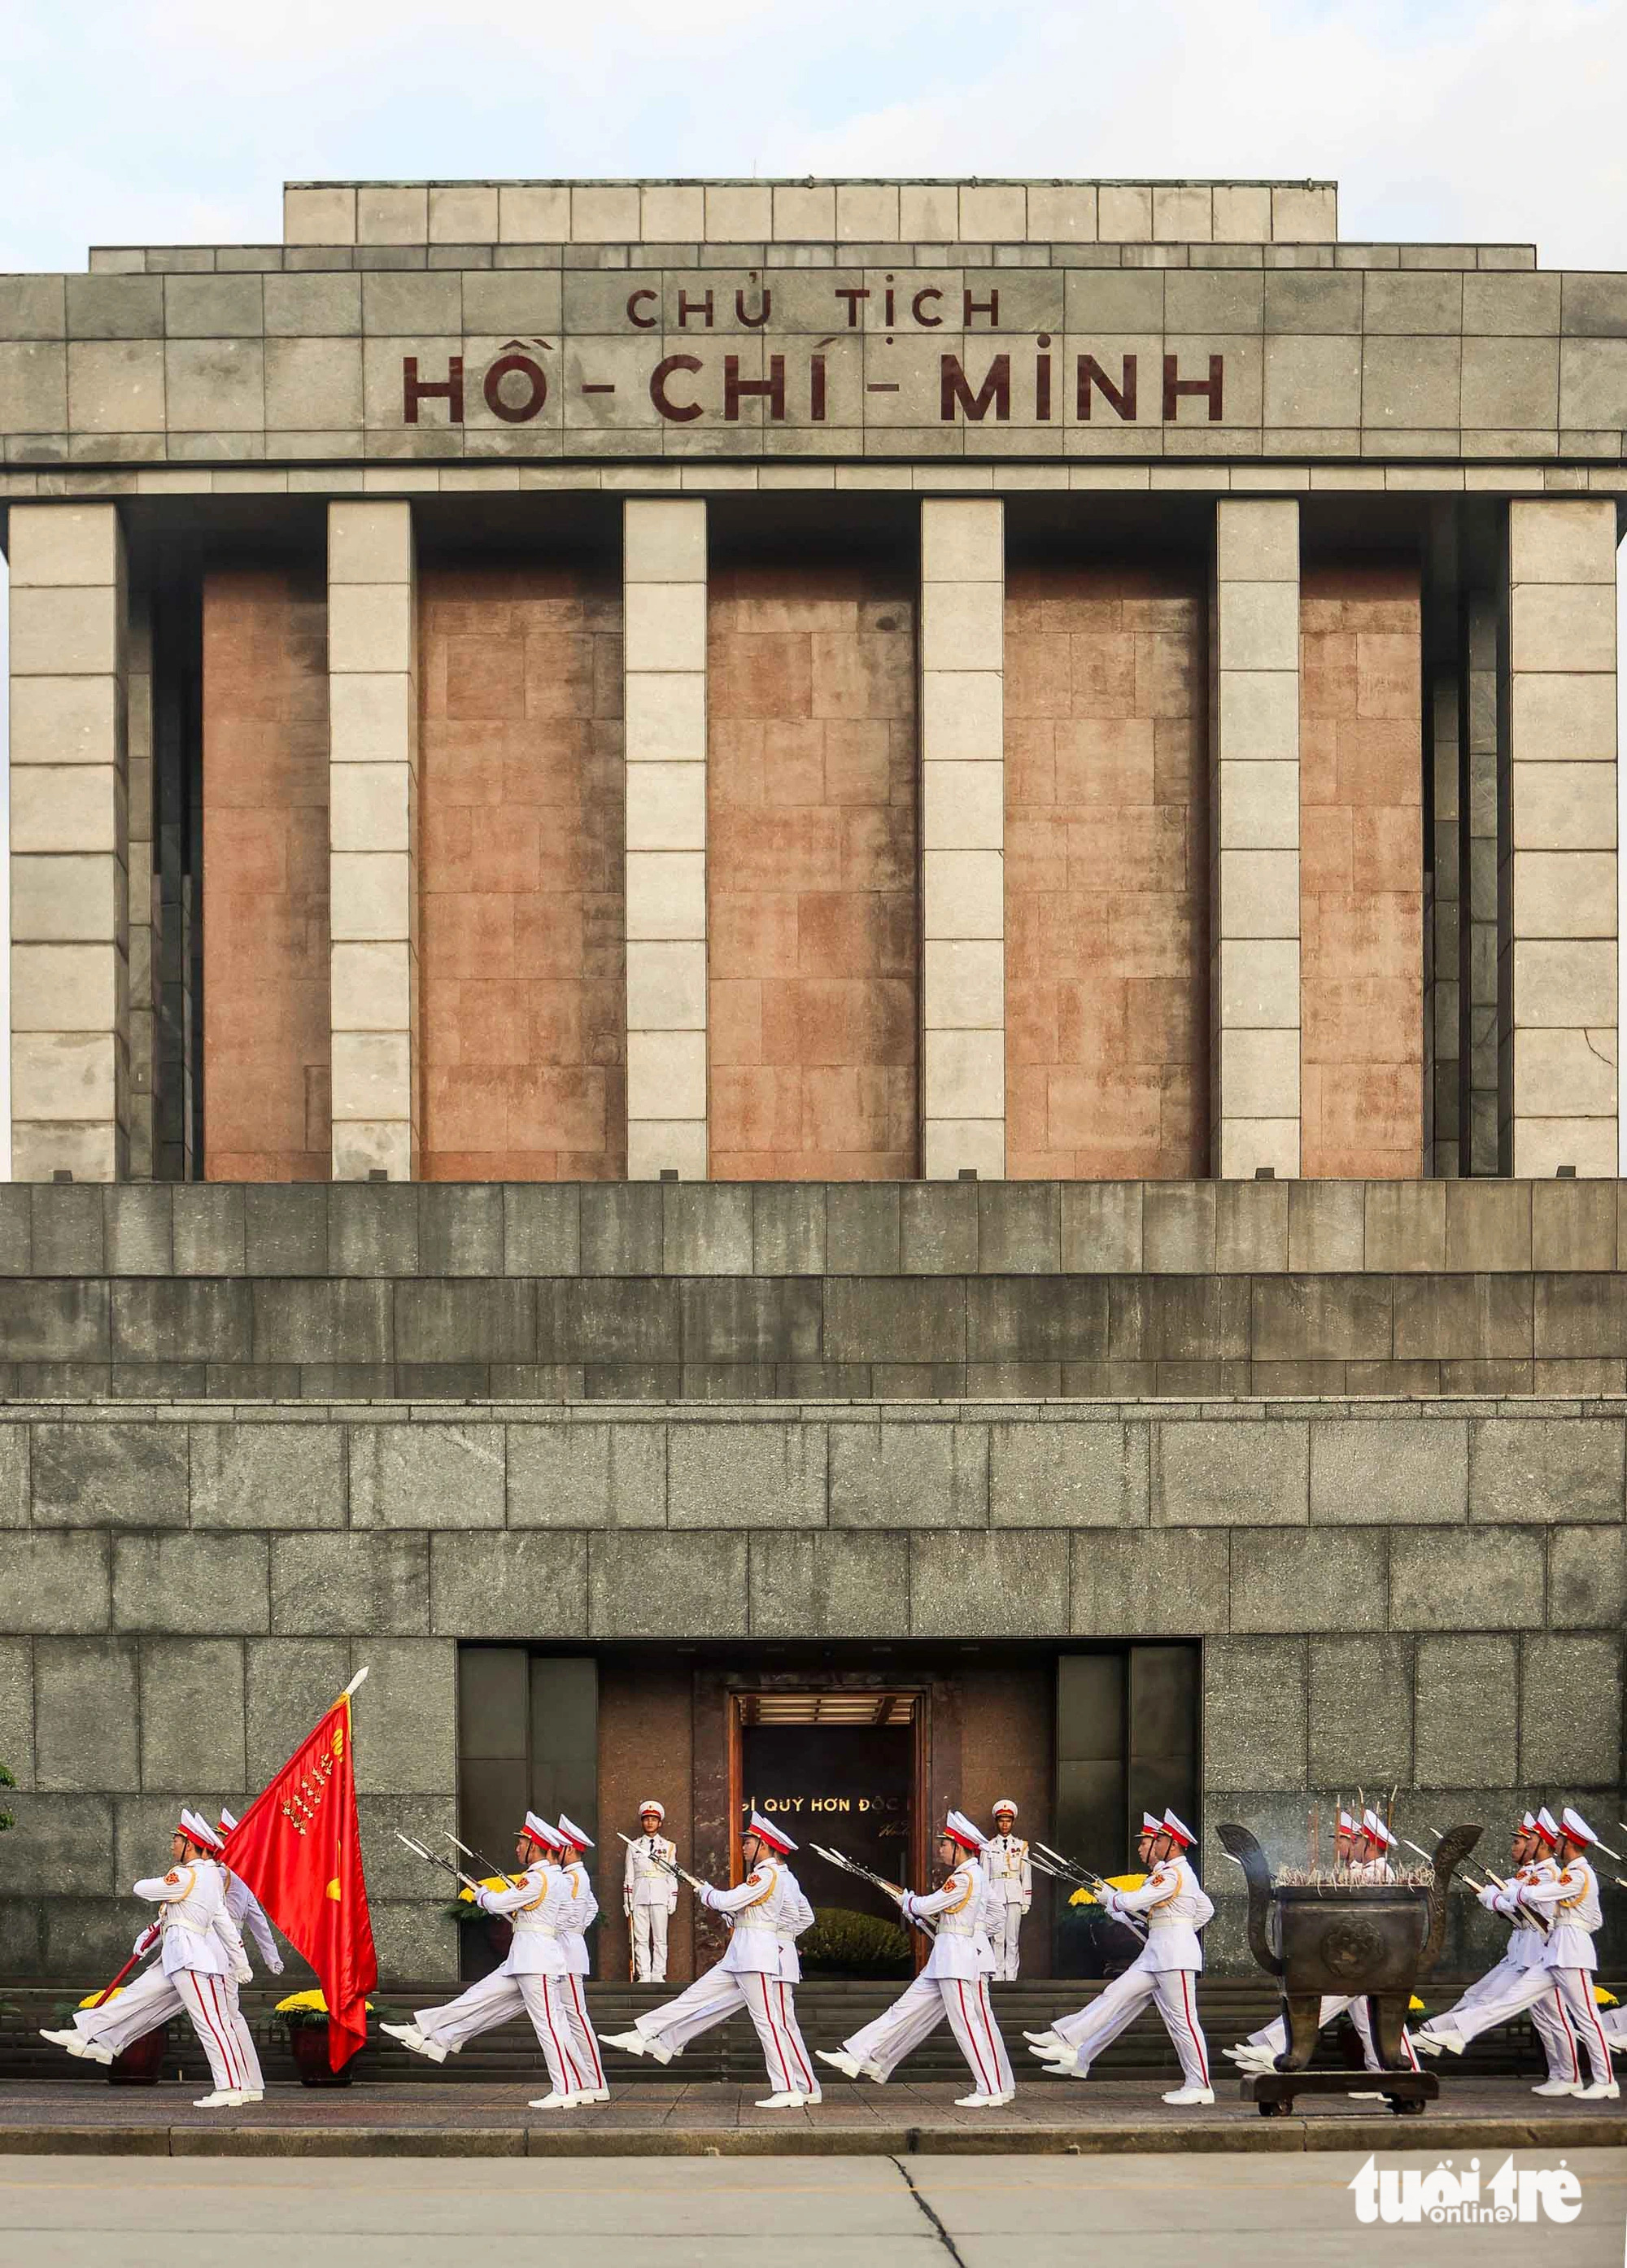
(100, 1999)
(1082, 1898)
(1604, 1995)
(491, 1883)
(312, 2000)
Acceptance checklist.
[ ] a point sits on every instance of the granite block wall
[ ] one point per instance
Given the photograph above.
(1428, 1594)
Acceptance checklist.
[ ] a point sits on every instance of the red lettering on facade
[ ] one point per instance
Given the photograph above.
(737, 389)
(954, 390)
(448, 389)
(852, 293)
(680, 412)
(917, 308)
(1211, 388)
(687, 306)
(765, 308)
(644, 322)
(519, 365)
(990, 307)
(1121, 399)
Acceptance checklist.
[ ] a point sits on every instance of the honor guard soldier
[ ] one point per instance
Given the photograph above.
(575, 1842)
(533, 1977)
(1174, 1906)
(1532, 1862)
(649, 1893)
(754, 1973)
(1011, 1877)
(1568, 1902)
(245, 1908)
(202, 1963)
(954, 1983)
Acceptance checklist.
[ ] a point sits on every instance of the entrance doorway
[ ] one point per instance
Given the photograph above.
(843, 1769)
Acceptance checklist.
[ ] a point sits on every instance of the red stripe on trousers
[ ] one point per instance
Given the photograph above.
(1586, 1991)
(785, 2085)
(1186, 1996)
(206, 2003)
(1570, 2036)
(587, 2031)
(792, 2037)
(563, 2054)
(982, 2083)
(988, 2017)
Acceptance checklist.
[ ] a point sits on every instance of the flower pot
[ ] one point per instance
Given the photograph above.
(499, 1935)
(307, 2044)
(138, 2064)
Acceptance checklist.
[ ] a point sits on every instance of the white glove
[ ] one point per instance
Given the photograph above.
(1490, 1896)
(148, 1938)
(241, 1973)
(275, 1965)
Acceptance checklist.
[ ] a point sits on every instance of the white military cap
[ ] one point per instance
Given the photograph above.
(1005, 1803)
(199, 1829)
(1151, 1823)
(776, 1838)
(660, 1809)
(540, 1832)
(1547, 1826)
(1347, 1825)
(571, 1833)
(228, 1820)
(1528, 1822)
(1172, 1824)
(960, 1830)
(1576, 1827)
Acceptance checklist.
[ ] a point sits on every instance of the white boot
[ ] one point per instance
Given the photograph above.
(1603, 2090)
(593, 2094)
(839, 2059)
(1185, 2094)
(555, 2100)
(223, 2098)
(1557, 2087)
(633, 2044)
(785, 2101)
(1045, 2040)
(980, 2101)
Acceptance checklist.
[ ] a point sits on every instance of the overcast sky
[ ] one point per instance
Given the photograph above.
(177, 121)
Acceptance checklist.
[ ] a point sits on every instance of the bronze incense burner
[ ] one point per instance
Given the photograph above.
(1377, 1941)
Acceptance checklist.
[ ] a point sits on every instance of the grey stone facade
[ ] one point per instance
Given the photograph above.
(1427, 1593)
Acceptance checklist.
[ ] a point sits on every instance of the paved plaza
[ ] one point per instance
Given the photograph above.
(907, 2213)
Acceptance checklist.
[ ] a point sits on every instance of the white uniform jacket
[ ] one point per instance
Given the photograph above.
(584, 1914)
(961, 1947)
(797, 1915)
(1528, 1941)
(248, 1914)
(762, 1907)
(1174, 1906)
(645, 1880)
(1007, 1863)
(1570, 1903)
(198, 1933)
(539, 1906)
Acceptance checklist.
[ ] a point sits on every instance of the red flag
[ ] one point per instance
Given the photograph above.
(297, 1848)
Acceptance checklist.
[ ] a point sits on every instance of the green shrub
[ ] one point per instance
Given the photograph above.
(843, 1943)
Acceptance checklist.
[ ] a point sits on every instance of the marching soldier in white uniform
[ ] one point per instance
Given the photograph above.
(1569, 1903)
(754, 1973)
(533, 1977)
(954, 1983)
(573, 1938)
(201, 1965)
(1006, 1861)
(1362, 1846)
(245, 1908)
(1174, 1906)
(649, 1893)
(1531, 1851)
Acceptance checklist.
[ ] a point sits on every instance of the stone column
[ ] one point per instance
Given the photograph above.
(1559, 1041)
(1443, 1019)
(142, 893)
(1254, 858)
(373, 855)
(963, 645)
(69, 844)
(1477, 1073)
(664, 600)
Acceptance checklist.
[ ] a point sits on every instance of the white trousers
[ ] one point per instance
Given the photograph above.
(211, 2003)
(1549, 2020)
(1275, 2034)
(499, 1997)
(882, 2046)
(152, 1999)
(584, 2044)
(1175, 1990)
(713, 1998)
(1568, 1989)
(1613, 2024)
(1008, 1922)
(650, 1944)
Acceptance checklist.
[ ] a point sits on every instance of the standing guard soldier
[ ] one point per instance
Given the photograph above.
(1011, 1877)
(649, 1893)
(1174, 1906)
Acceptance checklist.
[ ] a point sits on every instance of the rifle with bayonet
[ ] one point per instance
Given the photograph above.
(479, 1858)
(840, 1860)
(1069, 1870)
(1530, 1915)
(435, 1860)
